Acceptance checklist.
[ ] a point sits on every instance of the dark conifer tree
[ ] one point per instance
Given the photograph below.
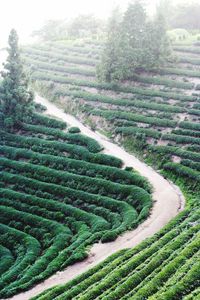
(134, 44)
(15, 94)
(109, 65)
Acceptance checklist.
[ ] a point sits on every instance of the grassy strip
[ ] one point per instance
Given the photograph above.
(107, 86)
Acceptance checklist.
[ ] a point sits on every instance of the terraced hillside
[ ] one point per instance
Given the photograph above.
(59, 194)
(163, 267)
(157, 115)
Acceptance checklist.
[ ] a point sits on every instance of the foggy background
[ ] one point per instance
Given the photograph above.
(28, 15)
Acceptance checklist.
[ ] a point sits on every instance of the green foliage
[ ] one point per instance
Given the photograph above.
(186, 49)
(35, 64)
(63, 149)
(119, 102)
(80, 26)
(72, 136)
(46, 121)
(184, 171)
(159, 80)
(179, 71)
(54, 205)
(135, 130)
(189, 60)
(54, 55)
(133, 43)
(59, 178)
(80, 167)
(190, 125)
(112, 114)
(191, 164)
(84, 26)
(15, 94)
(176, 151)
(74, 130)
(109, 61)
(143, 271)
(181, 139)
(41, 76)
(51, 30)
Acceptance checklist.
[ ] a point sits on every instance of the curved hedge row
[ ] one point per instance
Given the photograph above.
(47, 121)
(58, 56)
(121, 102)
(112, 114)
(190, 125)
(63, 149)
(35, 65)
(106, 86)
(144, 271)
(73, 138)
(80, 167)
(181, 139)
(164, 266)
(133, 195)
(57, 198)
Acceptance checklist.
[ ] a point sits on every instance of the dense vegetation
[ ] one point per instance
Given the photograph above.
(59, 193)
(133, 42)
(15, 95)
(156, 117)
(163, 267)
(153, 112)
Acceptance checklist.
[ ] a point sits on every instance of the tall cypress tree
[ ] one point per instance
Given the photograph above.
(132, 39)
(109, 64)
(15, 94)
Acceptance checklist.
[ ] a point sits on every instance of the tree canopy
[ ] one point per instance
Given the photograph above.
(134, 42)
(15, 94)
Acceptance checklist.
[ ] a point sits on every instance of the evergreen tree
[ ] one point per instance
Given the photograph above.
(133, 38)
(15, 95)
(109, 65)
(135, 44)
(157, 43)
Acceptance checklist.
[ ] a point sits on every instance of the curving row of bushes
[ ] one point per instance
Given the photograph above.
(40, 119)
(158, 80)
(183, 171)
(73, 138)
(106, 86)
(35, 64)
(151, 105)
(77, 166)
(176, 151)
(136, 196)
(181, 139)
(59, 148)
(187, 132)
(140, 272)
(59, 192)
(34, 52)
(189, 125)
(112, 114)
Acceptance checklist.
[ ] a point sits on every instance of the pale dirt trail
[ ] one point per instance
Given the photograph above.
(168, 201)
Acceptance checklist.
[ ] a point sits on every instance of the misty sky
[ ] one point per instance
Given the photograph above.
(28, 15)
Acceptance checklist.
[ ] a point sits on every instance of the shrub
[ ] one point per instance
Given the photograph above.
(74, 130)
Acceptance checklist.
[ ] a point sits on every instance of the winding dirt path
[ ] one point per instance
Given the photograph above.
(168, 201)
